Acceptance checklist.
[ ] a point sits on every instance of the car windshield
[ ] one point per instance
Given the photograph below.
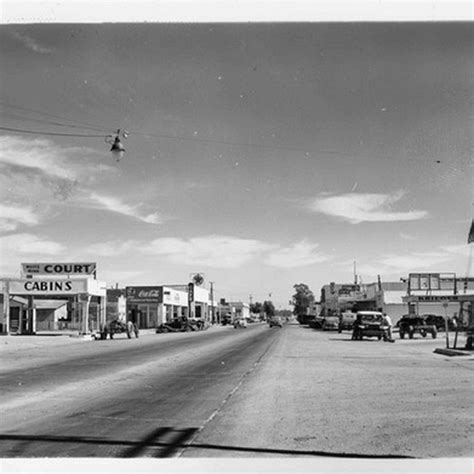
(371, 317)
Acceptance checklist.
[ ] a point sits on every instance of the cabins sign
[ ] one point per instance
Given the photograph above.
(47, 287)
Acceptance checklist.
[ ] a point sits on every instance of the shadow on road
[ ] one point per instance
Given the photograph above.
(165, 449)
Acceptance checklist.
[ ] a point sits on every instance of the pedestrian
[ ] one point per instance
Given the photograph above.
(130, 329)
(388, 323)
(356, 328)
(135, 330)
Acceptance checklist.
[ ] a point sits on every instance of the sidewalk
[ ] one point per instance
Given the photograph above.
(60, 338)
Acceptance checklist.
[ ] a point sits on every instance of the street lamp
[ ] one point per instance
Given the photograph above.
(117, 147)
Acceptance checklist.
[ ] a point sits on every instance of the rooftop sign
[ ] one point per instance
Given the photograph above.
(432, 282)
(32, 269)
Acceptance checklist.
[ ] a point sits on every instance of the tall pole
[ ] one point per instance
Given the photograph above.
(446, 327)
(213, 317)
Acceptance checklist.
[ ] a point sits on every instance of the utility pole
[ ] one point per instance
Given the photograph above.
(213, 317)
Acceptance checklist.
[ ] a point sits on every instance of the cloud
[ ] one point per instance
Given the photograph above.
(113, 204)
(216, 251)
(405, 236)
(36, 174)
(418, 261)
(358, 207)
(12, 216)
(211, 251)
(111, 249)
(29, 244)
(31, 44)
(43, 156)
(395, 266)
(460, 249)
(15, 248)
(298, 255)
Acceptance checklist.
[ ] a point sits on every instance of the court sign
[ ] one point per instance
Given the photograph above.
(57, 268)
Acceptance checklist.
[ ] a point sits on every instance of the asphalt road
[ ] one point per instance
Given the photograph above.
(254, 392)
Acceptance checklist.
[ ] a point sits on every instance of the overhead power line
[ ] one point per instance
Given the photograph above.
(47, 122)
(222, 142)
(38, 132)
(77, 123)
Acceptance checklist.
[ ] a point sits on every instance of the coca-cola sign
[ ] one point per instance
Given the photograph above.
(149, 293)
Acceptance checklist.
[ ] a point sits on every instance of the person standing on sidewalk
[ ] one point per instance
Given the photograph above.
(388, 322)
(130, 329)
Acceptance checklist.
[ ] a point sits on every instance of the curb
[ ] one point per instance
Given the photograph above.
(453, 352)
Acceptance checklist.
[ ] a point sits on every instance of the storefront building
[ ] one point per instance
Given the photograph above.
(198, 300)
(437, 293)
(150, 306)
(77, 299)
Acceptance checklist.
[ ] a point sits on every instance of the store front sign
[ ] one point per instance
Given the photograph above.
(175, 297)
(141, 294)
(430, 298)
(47, 287)
(32, 269)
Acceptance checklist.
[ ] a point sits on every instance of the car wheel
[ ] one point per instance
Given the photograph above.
(423, 333)
(379, 338)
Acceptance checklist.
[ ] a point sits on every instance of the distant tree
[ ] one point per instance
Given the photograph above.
(256, 308)
(284, 313)
(268, 308)
(302, 299)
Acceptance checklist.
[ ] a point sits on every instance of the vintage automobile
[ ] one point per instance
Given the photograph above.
(306, 319)
(346, 321)
(369, 324)
(317, 322)
(409, 325)
(240, 323)
(330, 323)
(181, 324)
(226, 319)
(275, 321)
(439, 322)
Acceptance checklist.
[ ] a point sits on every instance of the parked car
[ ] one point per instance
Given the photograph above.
(346, 321)
(240, 323)
(226, 319)
(369, 324)
(275, 321)
(331, 323)
(181, 324)
(306, 318)
(439, 322)
(409, 325)
(317, 322)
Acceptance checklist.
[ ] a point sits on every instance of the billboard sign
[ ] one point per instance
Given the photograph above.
(432, 282)
(33, 269)
(141, 294)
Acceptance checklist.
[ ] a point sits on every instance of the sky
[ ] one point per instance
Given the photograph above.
(261, 155)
